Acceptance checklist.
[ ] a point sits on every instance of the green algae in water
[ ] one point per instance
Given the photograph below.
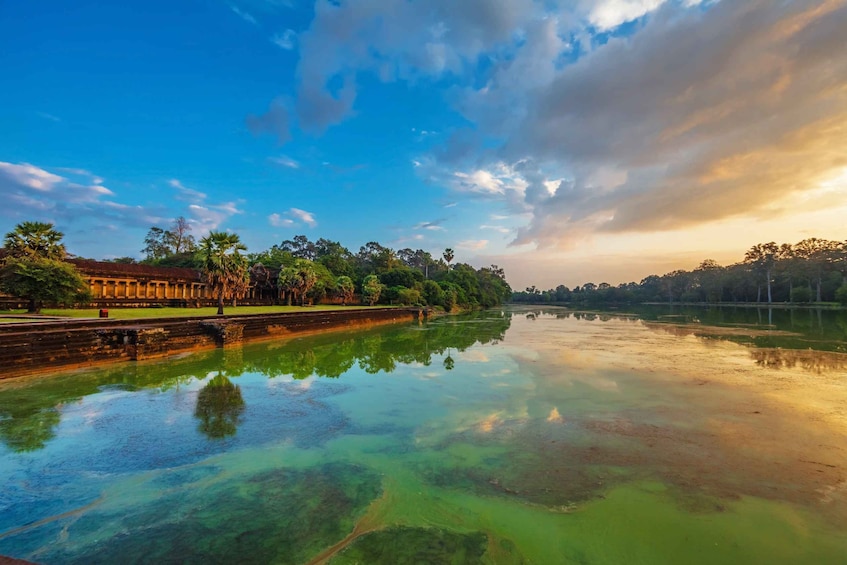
(532, 444)
(411, 546)
(278, 516)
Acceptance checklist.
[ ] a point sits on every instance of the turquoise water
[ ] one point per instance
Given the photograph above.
(511, 436)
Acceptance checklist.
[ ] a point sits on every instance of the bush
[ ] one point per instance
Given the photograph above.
(409, 297)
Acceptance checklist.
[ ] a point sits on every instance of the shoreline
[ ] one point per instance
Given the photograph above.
(28, 349)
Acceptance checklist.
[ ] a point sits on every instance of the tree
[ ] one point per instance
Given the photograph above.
(155, 244)
(762, 258)
(335, 257)
(375, 258)
(448, 256)
(345, 289)
(35, 268)
(35, 240)
(287, 282)
(816, 254)
(709, 278)
(307, 277)
(178, 239)
(175, 244)
(433, 294)
(300, 247)
(273, 258)
(240, 282)
(223, 264)
(43, 280)
(371, 289)
(297, 280)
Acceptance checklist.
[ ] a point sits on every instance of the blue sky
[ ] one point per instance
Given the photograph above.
(567, 141)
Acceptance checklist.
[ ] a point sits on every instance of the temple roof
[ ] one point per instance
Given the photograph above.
(134, 270)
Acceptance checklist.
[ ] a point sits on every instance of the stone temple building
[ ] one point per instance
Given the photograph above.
(122, 284)
(135, 285)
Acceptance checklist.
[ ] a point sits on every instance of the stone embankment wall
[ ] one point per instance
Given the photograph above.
(30, 348)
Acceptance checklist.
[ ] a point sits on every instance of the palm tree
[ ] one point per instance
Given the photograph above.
(306, 278)
(223, 265)
(297, 280)
(35, 267)
(31, 240)
(448, 256)
(346, 289)
(288, 283)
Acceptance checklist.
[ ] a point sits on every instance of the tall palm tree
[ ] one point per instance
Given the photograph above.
(223, 264)
(306, 278)
(33, 240)
(448, 256)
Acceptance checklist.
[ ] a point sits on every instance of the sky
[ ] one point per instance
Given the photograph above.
(567, 141)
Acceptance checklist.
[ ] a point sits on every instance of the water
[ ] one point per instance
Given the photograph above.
(514, 436)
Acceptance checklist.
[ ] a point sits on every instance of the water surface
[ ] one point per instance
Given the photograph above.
(513, 436)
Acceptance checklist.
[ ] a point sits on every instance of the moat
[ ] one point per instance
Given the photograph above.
(516, 435)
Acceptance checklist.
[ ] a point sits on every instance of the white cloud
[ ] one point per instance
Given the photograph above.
(56, 188)
(204, 219)
(703, 112)
(279, 222)
(247, 17)
(432, 226)
(285, 162)
(306, 217)
(295, 215)
(473, 244)
(500, 179)
(187, 194)
(49, 117)
(395, 39)
(500, 229)
(285, 40)
(608, 14)
(80, 197)
(202, 215)
(30, 176)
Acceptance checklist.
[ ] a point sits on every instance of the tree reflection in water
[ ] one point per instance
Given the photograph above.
(449, 363)
(30, 413)
(219, 407)
(819, 362)
(31, 431)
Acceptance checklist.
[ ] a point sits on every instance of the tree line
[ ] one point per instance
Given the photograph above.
(301, 271)
(810, 271)
(295, 271)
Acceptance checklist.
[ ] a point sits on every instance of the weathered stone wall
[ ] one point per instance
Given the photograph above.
(40, 346)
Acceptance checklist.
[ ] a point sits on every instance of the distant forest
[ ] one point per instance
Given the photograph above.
(812, 270)
(305, 270)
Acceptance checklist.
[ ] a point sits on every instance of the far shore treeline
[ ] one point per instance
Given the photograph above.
(810, 271)
(296, 271)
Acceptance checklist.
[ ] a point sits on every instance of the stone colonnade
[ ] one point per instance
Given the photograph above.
(126, 288)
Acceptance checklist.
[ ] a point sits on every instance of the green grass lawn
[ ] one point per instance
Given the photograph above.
(136, 313)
